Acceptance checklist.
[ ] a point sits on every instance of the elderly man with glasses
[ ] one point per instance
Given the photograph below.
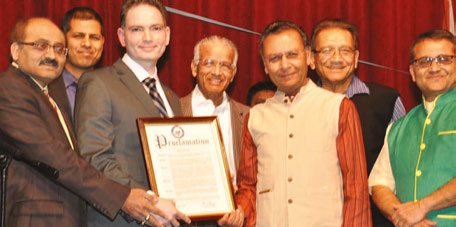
(413, 180)
(214, 67)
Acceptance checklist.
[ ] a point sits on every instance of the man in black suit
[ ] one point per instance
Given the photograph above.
(83, 29)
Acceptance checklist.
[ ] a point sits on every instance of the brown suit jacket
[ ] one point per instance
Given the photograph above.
(29, 121)
(237, 112)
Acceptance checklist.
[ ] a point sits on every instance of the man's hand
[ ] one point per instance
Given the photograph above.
(408, 214)
(232, 219)
(172, 215)
(143, 207)
(425, 223)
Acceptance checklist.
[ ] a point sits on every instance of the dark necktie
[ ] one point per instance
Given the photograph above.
(158, 101)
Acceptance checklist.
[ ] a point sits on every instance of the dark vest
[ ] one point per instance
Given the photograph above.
(375, 111)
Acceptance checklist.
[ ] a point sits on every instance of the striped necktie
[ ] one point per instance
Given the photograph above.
(61, 118)
(158, 101)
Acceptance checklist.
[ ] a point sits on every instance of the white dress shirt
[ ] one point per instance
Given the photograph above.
(205, 107)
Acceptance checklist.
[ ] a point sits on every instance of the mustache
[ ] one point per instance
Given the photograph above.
(49, 61)
(336, 64)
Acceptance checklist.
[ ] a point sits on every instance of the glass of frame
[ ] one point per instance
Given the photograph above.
(186, 161)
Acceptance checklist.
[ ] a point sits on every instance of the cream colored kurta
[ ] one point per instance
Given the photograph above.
(299, 177)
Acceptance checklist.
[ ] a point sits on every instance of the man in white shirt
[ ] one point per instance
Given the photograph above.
(109, 101)
(214, 66)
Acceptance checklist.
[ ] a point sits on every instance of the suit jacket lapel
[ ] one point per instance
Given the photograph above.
(186, 105)
(131, 82)
(57, 91)
(173, 100)
(51, 108)
(237, 116)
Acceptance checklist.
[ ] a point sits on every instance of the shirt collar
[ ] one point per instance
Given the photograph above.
(137, 69)
(68, 78)
(282, 97)
(203, 105)
(356, 87)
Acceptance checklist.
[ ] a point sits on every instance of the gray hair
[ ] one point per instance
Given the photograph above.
(213, 39)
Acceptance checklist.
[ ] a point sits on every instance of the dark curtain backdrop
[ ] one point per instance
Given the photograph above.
(386, 31)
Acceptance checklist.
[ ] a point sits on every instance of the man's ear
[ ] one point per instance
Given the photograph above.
(412, 73)
(121, 36)
(14, 50)
(356, 58)
(168, 34)
(194, 68)
(309, 58)
(311, 61)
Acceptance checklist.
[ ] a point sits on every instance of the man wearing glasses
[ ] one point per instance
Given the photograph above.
(413, 180)
(302, 159)
(33, 123)
(109, 100)
(335, 58)
(214, 67)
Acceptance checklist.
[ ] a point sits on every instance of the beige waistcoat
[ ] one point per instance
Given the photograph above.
(299, 178)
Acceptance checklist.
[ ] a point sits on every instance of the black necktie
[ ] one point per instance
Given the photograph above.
(158, 101)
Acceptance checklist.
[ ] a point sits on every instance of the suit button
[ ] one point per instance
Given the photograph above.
(290, 201)
(428, 121)
(291, 116)
(422, 146)
(291, 135)
(418, 173)
(290, 179)
(290, 156)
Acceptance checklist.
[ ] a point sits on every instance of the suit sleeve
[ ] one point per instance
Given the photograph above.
(350, 150)
(26, 121)
(247, 176)
(95, 129)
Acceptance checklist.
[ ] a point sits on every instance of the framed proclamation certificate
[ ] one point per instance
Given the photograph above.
(186, 161)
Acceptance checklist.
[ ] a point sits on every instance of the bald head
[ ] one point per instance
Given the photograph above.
(38, 48)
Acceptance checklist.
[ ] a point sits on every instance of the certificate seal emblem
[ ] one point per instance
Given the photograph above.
(177, 131)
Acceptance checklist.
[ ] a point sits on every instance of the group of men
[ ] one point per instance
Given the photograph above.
(301, 158)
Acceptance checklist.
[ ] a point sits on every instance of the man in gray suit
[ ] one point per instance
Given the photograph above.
(109, 100)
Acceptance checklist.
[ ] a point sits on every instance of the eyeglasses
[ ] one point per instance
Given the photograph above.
(440, 60)
(58, 48)
(224, 65)
(345, 52)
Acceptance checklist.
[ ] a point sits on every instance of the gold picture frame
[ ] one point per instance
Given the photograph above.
(186, 161)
